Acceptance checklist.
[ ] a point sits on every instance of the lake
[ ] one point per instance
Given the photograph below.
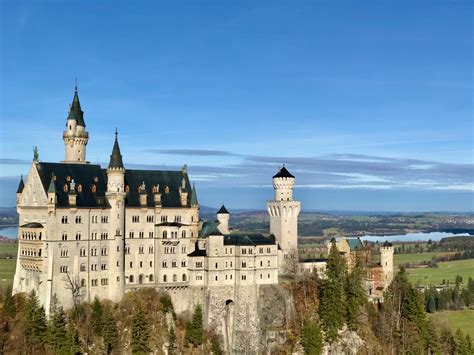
(411, 237)
(9, 232)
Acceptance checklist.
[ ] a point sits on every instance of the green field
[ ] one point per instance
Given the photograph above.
(399, 259)
(463, 320)
(445, 270)
(7, 266)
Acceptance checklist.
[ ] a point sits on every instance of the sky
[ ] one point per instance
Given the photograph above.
(369, 104)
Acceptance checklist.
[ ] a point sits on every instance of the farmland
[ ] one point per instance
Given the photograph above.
(454, 320)
(445, 271)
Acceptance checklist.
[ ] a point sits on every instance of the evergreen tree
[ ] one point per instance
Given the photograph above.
(354, 292)
(57, 336)
(469, 346)
(433, 344)
(194, 330)
(9, 304)
(139, 333)
(109, 332)
(35, 317)
(460, 343)
(97, 315)
(216, 345)
(311, 338)
(332, 304)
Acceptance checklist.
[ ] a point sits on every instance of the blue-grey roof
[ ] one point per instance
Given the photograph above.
(249, 239)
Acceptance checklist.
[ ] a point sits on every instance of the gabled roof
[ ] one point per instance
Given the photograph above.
(249, 239)
(223, 210)
(86, 175)
(283, 173)
(21, 186)
(355, 243)
(75, 112)
(209, 228)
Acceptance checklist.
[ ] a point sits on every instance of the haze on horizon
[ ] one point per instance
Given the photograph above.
(368, 104)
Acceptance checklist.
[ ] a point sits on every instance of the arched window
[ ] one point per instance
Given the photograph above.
(65, 188)
(184, 277)
(127, 188)
(150, 277)
(94, 189)
(131, 278)
(175, 278)
(79, 188)
(165, 278)
(183, 234)
(165, 234)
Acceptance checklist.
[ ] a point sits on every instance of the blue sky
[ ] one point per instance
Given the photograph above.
(369, 104)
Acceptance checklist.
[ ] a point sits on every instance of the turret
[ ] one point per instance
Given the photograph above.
(194, 200)
(21, 186)
(284, 213)
(52, 195)
(223, 219)
(116, 197)
(386, 261)
(75, 136)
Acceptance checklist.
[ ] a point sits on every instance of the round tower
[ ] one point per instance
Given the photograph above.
(284, 211)
(116, 197)
(386, 261)
(223, 219)
(75, 136)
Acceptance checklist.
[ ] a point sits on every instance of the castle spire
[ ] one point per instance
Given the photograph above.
(75, 112)
(194, 201)
(21, 186)
(116, 156)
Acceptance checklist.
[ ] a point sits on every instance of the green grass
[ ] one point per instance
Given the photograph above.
(445, 270)
(399, 259)
(7, 266)
(463, 320)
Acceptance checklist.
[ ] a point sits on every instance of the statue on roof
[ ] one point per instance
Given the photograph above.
(35, 154)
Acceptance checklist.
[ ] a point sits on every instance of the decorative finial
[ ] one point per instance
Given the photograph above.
(75, 85)
(184, 169)
(35, 154)
(116, 132)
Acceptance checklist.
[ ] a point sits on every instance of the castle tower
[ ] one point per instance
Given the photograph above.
(284, 213)
(75, 136)
(386, 261)
(223, 219)
(116, 196)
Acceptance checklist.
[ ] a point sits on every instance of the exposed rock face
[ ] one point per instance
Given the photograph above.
(349, 343)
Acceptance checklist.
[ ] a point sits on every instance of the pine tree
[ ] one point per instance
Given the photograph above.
(57, 336)
(9, 304)
(194, 330)
(332, 304)
(139, 333)
(311, 338)
(354, 293)
(216, 345)
(109, 332)
(35, 327)
(433, 344)
(97, 315)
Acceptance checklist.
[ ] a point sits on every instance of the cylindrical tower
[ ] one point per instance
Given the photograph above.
(116, 196)
(75, 136)
(386, 261)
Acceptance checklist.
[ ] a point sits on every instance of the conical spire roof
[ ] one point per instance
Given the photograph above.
(194, 200)
(21, 186)
(116, 156)
(283, 173)
(75, 112)
(223, 210)
(52, 186)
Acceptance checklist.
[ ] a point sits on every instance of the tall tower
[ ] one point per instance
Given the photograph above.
(75, 136)
(223, 218)
(116, 196)
(284, 213)
(386, 261)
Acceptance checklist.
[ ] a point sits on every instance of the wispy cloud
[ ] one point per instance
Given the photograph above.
(192, 152)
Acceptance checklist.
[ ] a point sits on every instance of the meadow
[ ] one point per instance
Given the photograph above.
(445, 271)
(455, 320)
(7, 266)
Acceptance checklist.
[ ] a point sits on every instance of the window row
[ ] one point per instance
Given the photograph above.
(174, 263)
(184, 278)
(31, 235)
(30, 252)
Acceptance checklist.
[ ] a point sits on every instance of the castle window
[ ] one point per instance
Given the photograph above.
(105, 219)
(104, 282)
(131, 264)
(150, 219)
(183, 263)
(118, 278)
(94, 189)
(216, 278)
(173, 263)
(177, 218)
(64, 236)
(83, 283)
(175, 278)
(164, 218)
(64, 253)
(150, 277)
(103, 251)
(199, 277)
(82, 252)
(94, 252)
(78, 236)
(151, 263)
(164, 264)
(141, 234)
(199, 264)
(261, 263)
(167, 190)
(183, 249)
(131, 279)
(135, 219)
(150, 249)
(79, 188)
(244, 277)
(165, 234)
(127, 249)
(244, 251)
(141, 263)
(261, 276)
(140, 249)
(64, 220)
(268, 262)
(244, 264)
(268, 276)
(94, 267)
(261, 250)
(127, 188)
(165, 278)
(83, 267)
(183, 234)
(217, 266)
(68, 178)
(103, 266)
(78, 219)
(269, 250)
(130, 235)
(63, 269)
(94, 282)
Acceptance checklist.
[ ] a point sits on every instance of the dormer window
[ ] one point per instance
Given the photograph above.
(65, 188)
(127, 188)
(68, 178)
(94, 188)
(79, 188)
(167, 190)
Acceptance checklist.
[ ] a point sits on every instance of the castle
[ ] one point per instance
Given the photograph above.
(104, 232)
